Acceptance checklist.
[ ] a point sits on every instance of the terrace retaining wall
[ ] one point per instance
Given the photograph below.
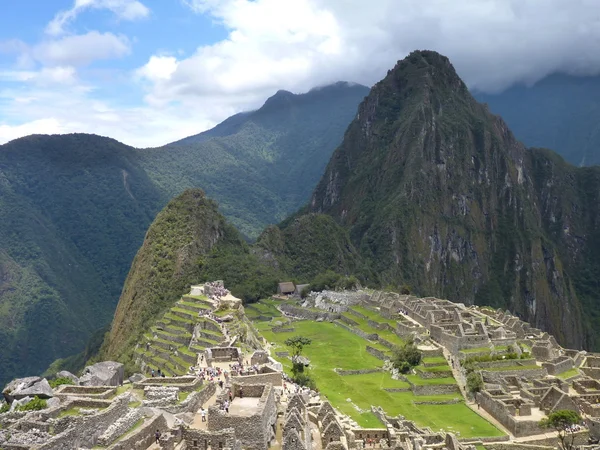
(376, 353)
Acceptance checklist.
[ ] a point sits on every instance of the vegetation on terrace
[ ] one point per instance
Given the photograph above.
(334, 347)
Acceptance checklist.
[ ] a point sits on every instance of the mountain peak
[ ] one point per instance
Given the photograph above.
(425, 69)
(281, 97)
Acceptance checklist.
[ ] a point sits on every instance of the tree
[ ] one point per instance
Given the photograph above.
(406, 357)
(562, 421)
(474, 382)
(299, 375)
(297, 344)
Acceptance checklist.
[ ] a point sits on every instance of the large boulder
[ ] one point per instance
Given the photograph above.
(106, 373)
(27, 387)
(69, 375)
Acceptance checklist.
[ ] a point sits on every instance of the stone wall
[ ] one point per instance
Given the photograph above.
(201, 440)
(362, 334)
(496, 376)
(86, 391)
(434, 389)
(559, 365)
(518, 428)
(438, 374)
(185, 383)
(385, 343)
(120, 426)
(376, 353)
(356, 372)
(349, 321)
(143, 437)
(307, 314)
(194, 401)
(275, 378)
(83, 431)
(254, 431)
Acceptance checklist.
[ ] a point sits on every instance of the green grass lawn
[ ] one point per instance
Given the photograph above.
(438, 360)
(568, 374)
(334, 347)
(476, 350)
(363, 324)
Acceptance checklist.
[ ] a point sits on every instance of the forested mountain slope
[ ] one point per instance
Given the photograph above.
(262, 165)
(560, 112)
(73, 210)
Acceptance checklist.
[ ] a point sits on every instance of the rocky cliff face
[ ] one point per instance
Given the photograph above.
(437, 193)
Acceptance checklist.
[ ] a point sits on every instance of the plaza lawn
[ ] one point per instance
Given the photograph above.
(334, 347)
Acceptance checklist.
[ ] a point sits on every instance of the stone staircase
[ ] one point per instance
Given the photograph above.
(170, 344)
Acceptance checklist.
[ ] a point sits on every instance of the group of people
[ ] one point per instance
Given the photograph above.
(158, 373)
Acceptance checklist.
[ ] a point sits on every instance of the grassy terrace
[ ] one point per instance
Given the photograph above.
(334, 347)
(515, 367)
(476, 350)
(363, 324)
(569, 373)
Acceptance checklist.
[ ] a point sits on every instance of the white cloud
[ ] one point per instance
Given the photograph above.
(123, 9)
(158, 68)
(42, 126)
(296, 45)
(81, 49)
(299, 43)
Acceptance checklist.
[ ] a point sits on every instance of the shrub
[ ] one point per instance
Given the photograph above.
(4, 408)
(34, 405)
(406, 357)
(304, 293)
(60, 381)
(474, 382)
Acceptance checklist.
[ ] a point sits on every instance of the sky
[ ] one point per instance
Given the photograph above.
(149, 72)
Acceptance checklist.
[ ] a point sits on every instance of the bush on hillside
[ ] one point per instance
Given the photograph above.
(34, 405)
(59, 382)
(405, 357)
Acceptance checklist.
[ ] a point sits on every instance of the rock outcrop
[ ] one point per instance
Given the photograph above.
(106, 373)
(27, 387)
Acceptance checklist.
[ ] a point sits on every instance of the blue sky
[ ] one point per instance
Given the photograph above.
(148, 72)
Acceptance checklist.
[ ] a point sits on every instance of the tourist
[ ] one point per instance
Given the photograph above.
(221, 384)
(230, 395)
(241, 392)
(227, 406)
(203, 414)
(157, 436)
(159, 374)
(152, 373)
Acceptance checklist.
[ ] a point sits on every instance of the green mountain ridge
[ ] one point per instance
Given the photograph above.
(274, 155)
(74, 210)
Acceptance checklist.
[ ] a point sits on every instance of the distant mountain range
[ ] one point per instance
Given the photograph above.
(74, 209)
(560, 112)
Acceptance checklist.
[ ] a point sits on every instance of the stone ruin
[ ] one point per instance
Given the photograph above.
(517, 393)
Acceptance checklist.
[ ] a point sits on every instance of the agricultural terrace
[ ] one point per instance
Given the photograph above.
(335, 347)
